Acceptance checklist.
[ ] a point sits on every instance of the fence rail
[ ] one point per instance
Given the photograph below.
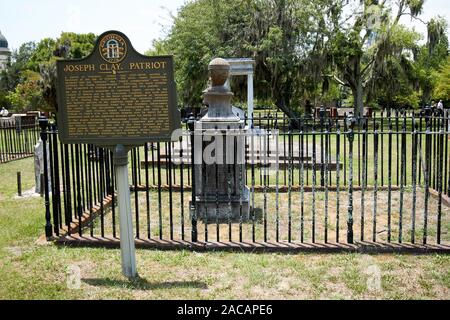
(384, 179)
(18, 137)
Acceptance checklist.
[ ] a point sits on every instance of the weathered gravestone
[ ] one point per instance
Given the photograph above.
(117, 98)
(39, 167)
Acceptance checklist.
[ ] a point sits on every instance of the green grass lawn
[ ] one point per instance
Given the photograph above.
(33, 270)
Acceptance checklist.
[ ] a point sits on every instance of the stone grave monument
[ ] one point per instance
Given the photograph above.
(39, 167)
(220, 176)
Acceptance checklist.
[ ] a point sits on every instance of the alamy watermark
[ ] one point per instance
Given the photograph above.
(232, 147)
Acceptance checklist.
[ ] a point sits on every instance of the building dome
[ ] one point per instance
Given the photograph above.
(3, 41)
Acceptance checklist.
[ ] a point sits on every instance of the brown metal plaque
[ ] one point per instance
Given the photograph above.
(116, 96)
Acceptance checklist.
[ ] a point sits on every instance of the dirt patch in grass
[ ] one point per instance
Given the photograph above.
(316, 209)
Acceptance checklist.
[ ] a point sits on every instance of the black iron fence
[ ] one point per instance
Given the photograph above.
(381, 179)
(18, 137)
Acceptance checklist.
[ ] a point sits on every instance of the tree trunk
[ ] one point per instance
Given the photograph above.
(354, 79)
(292, 115)
(358, 99)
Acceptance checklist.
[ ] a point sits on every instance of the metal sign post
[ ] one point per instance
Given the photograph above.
(127, 246)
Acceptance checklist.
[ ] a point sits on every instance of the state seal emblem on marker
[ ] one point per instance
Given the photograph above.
(113, 48)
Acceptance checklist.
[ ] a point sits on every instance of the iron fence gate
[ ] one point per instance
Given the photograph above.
(383, 179)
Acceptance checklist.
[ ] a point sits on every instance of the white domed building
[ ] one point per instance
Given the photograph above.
(5, 53)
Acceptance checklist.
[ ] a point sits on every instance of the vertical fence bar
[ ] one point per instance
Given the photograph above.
(216, 174)
(414, 180)
(78, 190)
(170, 188)
(420, 149)
(326, 180)
(389, 209)
(89, 190)
(433, 154)
(229, 190)
(302, 184)
(402, 180)
(277, 182)
(85, 158)
(51, 139)
(382, 148)
(147, 189)
(338, 176)
(363, 181)
(321, 130)
(267, 154)
(82, 179)
(252, 154)
(241, 184)
(290, 147)
(57, 188)
(102, 190)
(314, 182)
(67, 191)
(446, 154)
(204, 183)
(440, 168)
(43, 122)
(350, 136)
(307, 155)
(191, 126)
(153, 164)
(63, 178)
(375, 184)
(345, 149)
(397, 145)
(158, 154)
(427, 179)
(134, 172)
(261, 148)
(447, 157)
(358, 135)
(284, 149)
(181, 188)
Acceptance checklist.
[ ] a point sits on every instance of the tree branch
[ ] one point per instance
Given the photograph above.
(368, 65)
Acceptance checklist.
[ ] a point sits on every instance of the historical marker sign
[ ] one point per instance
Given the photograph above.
(116, 95)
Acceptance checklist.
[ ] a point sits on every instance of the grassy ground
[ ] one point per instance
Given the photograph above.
(32, 270)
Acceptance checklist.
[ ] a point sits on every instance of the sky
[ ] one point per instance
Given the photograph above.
(32, 20)
(141, 20)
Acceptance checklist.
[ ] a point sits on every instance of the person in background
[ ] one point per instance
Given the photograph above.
(433, 106)
(440, 105)
(4, 112)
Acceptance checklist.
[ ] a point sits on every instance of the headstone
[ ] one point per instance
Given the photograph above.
(39, 166)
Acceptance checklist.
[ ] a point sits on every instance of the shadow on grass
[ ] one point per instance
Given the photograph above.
(142, 284)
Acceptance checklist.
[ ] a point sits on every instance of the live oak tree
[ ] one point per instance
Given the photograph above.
(370, 47)
(306, 49)
(442, 78)
(284, 37)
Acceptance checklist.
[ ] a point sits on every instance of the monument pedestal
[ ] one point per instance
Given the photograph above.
(209, 211)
